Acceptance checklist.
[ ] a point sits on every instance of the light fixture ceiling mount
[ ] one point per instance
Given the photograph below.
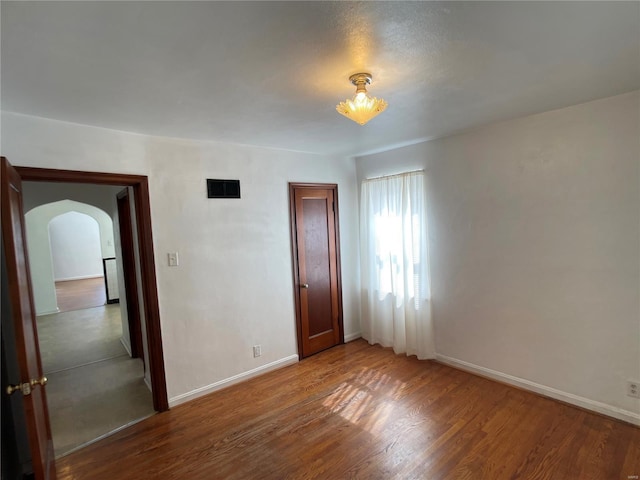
(360, 80)
(362, 107)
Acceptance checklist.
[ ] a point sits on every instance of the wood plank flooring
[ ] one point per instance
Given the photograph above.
(79, 294)
(357, 411)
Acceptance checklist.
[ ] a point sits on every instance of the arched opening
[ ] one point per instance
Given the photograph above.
(70, 228)
(76, 254)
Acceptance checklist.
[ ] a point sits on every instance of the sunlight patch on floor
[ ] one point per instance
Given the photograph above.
(353, 400)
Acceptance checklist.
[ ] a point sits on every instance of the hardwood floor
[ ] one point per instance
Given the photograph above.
(357, 411)
(79, 294)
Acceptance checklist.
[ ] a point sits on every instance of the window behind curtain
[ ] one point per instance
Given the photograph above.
(395, 283)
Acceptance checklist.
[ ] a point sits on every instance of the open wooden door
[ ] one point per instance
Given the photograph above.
(32, 382)
(316, 260)
(129, 274)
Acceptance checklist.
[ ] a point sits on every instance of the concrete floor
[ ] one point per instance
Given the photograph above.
(94, 386)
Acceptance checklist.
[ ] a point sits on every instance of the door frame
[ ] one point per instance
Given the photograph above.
(140, 185)
(293, 186)
(129, 273)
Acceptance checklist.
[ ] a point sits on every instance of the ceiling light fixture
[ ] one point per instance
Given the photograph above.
(362, 107)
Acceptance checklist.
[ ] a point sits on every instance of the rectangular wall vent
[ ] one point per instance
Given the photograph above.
(223, 188)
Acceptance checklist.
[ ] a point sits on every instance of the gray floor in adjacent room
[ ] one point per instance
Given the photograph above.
(94, 386)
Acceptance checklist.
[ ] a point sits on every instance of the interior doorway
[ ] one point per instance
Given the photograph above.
(74, 241)
(78, 272)
(316, 263)
(67, 242)
(95, 384)
(139, 187)
(28, 392)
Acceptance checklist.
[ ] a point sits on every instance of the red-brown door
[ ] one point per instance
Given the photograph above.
(129, 274)
(32, 380)
(316, 259)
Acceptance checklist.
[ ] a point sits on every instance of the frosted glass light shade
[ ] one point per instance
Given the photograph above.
(362, 107)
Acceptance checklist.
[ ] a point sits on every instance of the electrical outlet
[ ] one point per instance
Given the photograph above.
(633, 389)
(257, 350)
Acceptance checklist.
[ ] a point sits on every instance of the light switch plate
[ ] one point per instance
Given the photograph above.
(173, 259)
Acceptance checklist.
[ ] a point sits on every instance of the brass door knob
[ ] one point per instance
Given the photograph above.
(304, 285)
(13, 388)
(42, 382)
(25, 388)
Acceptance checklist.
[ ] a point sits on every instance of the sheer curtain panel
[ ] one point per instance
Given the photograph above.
(396, 308)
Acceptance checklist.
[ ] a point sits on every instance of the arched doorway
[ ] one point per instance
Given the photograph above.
(77, 261)
(71, 226)
(95, 386)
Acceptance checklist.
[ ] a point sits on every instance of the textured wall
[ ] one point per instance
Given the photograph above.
(535, 248)
(234, 285)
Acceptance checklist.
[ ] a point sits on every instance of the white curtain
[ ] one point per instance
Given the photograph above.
(396, 309)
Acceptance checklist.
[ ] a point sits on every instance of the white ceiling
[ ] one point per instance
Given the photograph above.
(271, 73)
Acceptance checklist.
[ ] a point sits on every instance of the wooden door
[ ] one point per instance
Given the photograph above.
(129, 274)
(316, 260)
(31, 386)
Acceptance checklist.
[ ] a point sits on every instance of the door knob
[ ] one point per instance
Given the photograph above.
(304, 285)
(42, 382)
(25, 388)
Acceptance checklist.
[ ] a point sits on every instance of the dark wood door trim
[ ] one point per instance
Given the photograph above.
(140, 184)
(129, 274)
(293, 186)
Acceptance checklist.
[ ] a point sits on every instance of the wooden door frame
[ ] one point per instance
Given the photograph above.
(294, 254)
(140, 185)
(129, 273)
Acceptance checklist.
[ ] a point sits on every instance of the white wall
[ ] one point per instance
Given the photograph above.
(534, 242)
(234, 285)
(75, 247)
(40, 260)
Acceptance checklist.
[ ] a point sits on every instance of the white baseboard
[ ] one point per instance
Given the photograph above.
(48, 312)
(81, 277)
(577, 400)
(352, 336)
(227, 382)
